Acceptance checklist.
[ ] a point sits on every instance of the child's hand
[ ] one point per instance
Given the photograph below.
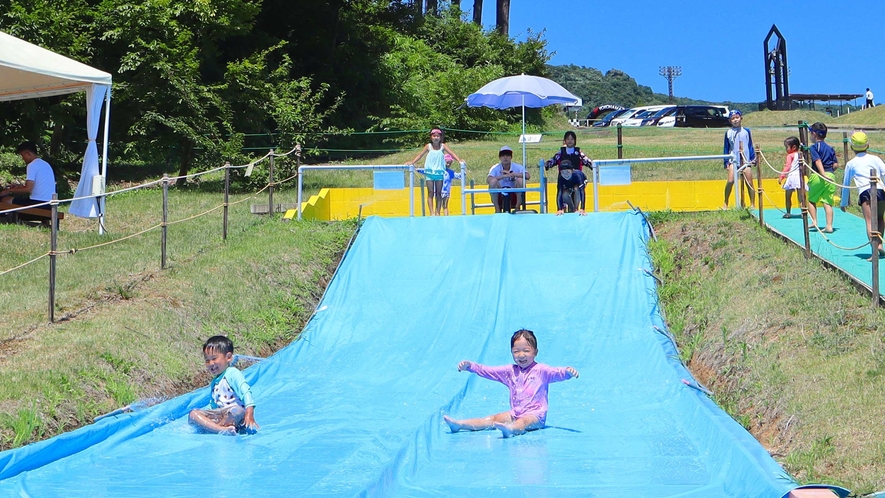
(559, 213)
(249, 420)
(581, 212)
(464, 366)
(571, 371)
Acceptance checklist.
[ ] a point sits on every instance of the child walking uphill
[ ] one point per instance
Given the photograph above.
(527, 381)
(858, 169)
(231, 405)
(822, 177)
(790, 173)
(435, 169)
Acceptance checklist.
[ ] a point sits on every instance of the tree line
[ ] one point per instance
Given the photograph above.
(199, 82)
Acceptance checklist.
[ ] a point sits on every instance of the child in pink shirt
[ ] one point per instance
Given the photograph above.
(527, 381)
(790, 173)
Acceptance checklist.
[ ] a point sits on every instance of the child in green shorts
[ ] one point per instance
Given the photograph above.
(822, 176)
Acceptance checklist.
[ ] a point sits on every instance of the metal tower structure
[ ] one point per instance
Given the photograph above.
(777, 85)
(671, 73)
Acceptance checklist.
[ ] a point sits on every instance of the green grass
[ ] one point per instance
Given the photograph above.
(127, 329)
(791, 350)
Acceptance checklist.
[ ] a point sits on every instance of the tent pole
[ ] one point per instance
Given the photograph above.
(104, 160)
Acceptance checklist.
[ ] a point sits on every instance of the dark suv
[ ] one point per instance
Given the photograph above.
(700, 116)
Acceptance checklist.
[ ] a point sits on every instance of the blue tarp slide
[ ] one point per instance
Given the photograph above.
(354, 407)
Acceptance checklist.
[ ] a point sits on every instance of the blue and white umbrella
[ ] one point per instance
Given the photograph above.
(522, 91)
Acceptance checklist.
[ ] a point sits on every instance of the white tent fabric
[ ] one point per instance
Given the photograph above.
(28, 71)
(89, 207)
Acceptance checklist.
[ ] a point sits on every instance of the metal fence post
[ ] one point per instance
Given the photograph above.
(270, 185)
(463, 186)
(421, 186)
(163, 223)
(844, 148)
(412, 190)
(53, 246)
(620, 143)
(226, 199)
(875, 235)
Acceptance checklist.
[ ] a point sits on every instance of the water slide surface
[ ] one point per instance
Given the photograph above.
(354, 407)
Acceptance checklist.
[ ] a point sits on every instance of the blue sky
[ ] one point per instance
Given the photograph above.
(832, 47)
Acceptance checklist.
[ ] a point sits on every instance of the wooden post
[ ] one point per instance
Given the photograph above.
(270, 186)
(803, 199)
(875, 234)
(53, 246)
(759, 183)
(226, 199)
(164, 218)
(620, 143)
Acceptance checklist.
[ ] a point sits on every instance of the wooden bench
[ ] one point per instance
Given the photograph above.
(35, 214)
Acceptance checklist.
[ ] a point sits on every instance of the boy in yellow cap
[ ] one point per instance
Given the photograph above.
(859, 170)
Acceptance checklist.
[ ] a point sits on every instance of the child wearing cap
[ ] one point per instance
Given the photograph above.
(858, 169)
(822, 176)
(506, 174)
(737, 139)
(435, 168)
(570, 189)
(447, 183)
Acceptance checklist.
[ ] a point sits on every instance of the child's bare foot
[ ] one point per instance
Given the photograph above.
(454, 426)
(505, 429)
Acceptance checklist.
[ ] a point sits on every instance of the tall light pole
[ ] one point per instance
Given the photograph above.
(671, 73)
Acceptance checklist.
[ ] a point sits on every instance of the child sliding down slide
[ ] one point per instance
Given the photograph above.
(527, 381)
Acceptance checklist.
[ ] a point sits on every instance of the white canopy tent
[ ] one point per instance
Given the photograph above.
(28, 71)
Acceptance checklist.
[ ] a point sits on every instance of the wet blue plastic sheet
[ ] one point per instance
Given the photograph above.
(354, 408)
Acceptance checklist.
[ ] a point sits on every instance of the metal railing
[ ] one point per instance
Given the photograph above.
(601, 163)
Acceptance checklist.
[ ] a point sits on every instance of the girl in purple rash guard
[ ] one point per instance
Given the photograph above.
(527, 382)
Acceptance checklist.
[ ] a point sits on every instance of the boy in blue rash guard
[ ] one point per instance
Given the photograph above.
(570, 187)
(822, 176)
(231, 405)
(738, 138)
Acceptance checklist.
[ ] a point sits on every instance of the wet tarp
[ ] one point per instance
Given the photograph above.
(354, 407)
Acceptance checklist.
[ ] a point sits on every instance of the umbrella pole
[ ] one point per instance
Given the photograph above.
(524, 164)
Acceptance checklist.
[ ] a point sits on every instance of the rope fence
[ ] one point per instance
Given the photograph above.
(164, 182)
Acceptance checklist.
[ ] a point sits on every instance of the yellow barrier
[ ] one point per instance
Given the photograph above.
(706, 195)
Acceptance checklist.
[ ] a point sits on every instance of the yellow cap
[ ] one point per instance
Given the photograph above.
(859, 141)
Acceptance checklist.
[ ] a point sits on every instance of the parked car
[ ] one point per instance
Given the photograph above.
(632, 113)
(696, 116)
(638, 119)
(606, 121)
(654, 118)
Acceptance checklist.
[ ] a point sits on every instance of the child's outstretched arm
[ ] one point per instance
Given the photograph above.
(419, 156)
(249, 419)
